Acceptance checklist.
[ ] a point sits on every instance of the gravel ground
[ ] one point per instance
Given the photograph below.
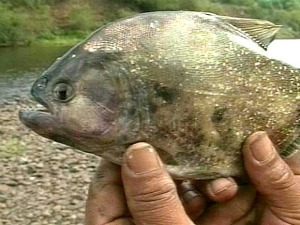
(41, 182)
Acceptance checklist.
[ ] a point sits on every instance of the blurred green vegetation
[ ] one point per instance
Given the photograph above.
(12, 147)
(23, 22)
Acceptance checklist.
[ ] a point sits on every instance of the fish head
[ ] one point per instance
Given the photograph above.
(83, 96)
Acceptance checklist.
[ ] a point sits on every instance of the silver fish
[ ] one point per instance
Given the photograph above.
(191, 84)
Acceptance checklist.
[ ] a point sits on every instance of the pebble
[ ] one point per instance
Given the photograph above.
(4, 189)
(3, 198)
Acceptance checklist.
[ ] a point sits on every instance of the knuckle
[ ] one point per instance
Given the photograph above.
(155, 196)
(156, 192)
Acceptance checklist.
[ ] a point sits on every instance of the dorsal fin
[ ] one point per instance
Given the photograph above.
(261, 31)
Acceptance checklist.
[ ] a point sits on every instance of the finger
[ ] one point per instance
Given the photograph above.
(106, 200)
(254, 216)
(151, 193)
(227, 213)
(219, 190)
(270, 174)
(193, 201)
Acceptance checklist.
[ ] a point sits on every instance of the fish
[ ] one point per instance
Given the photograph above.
(194, 85)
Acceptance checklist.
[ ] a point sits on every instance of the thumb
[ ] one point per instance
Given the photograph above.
(151, 193)
(272, 177)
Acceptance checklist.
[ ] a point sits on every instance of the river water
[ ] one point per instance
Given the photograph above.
(19, 67)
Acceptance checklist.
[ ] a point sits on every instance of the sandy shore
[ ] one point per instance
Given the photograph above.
(41, 182)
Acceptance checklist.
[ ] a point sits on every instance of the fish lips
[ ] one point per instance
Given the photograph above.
(41, 122)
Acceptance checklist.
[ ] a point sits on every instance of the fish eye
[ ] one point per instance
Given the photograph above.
(63, 92)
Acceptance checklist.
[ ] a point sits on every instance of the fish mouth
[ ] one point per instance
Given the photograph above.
(41, 121)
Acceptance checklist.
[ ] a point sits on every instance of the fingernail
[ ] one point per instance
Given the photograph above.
(189, 196)
(188, 191)
(141, 158)
(221, 184)
(261, 147)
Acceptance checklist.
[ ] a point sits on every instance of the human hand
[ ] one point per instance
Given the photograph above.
(151, 197)
(142, 193)
(273, 199)
(277, 182)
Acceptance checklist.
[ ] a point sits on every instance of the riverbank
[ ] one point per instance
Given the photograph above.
(61, 41)
(42, 182)
(25, 22)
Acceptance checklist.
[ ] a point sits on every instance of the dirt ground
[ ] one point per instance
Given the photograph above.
(41, 182)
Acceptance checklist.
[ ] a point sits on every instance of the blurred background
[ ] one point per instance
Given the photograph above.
(23, 22)
(42, 182)
(33, 33)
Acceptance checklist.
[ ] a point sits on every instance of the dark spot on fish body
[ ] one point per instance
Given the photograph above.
(131, 111)
(159, 96)
(218, 114)
(166, 93)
